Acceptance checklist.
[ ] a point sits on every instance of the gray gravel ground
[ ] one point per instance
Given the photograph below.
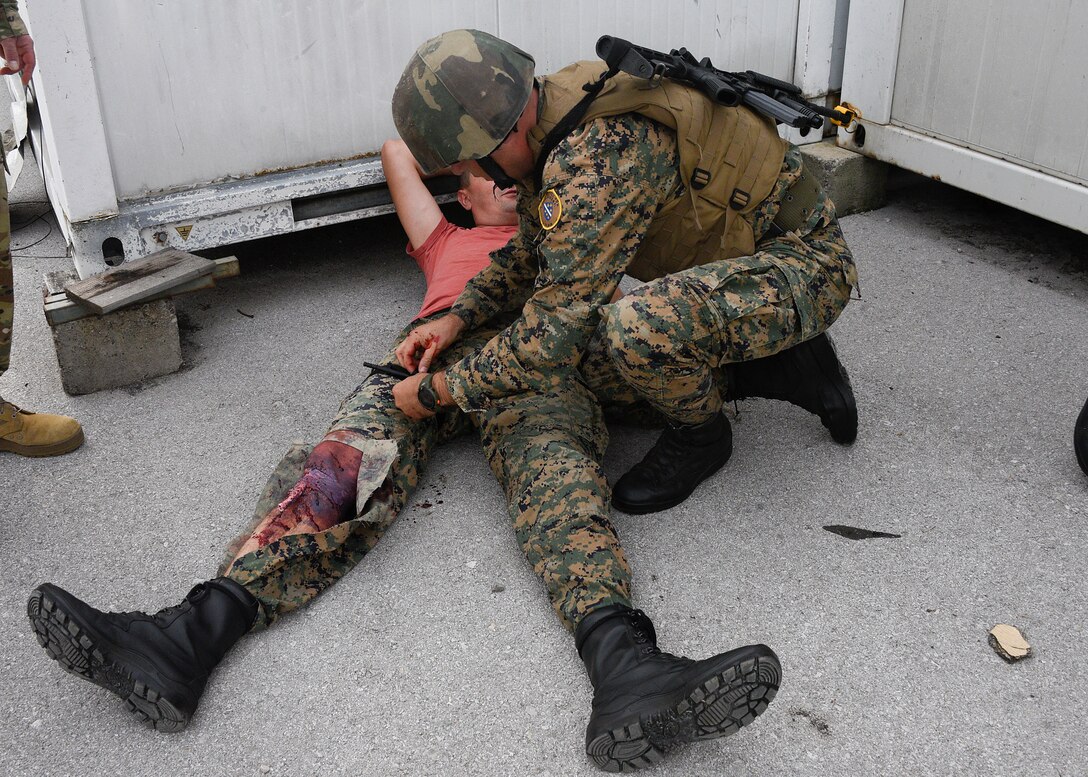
(968, 354)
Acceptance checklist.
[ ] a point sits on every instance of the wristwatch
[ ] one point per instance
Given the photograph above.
(426, 393)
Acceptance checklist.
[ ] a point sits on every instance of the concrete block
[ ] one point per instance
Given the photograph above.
(854, 182)
(119, 348)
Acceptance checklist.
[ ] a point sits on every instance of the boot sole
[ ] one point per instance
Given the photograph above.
(718, 707)
(36, 451)
(80, 653)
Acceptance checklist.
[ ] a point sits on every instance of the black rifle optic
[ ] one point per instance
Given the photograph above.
(780, 100)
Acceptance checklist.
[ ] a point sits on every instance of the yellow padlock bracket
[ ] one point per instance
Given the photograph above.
(844, 115)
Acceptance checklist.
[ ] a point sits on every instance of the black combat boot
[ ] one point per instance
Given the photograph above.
(1080, 438)
(808, 375)
(159, 664)
(646, 702)
(681, 459)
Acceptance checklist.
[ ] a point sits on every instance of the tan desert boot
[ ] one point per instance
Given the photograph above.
(37, 434)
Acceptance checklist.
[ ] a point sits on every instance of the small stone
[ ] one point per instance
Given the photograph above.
(498, 588)
(265, 769)
(1009, 643)
(471, 564)
(37, 723)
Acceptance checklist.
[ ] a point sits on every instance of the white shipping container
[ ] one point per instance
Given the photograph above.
(197, 123)
(988, 95)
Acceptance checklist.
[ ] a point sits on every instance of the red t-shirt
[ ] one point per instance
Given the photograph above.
(449, 258)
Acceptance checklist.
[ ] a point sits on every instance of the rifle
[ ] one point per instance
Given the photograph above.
(780, 100)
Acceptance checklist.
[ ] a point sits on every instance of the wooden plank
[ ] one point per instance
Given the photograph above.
(137, 281)
(59, 309)
(227, 267)
(56, 280)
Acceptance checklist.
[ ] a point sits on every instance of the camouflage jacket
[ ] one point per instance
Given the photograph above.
(610, 177)
(11, 25)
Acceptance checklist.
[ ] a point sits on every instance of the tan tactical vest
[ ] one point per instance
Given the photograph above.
(730, 159)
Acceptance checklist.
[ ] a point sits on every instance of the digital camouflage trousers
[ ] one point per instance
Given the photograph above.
(545, 451)
(667, 342)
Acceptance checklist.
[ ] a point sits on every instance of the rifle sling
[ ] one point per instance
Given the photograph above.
(566, 125)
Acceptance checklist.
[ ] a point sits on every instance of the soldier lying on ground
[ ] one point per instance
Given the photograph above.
(743, 258)
(322, 511)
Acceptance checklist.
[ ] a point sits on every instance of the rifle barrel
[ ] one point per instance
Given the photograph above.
(769, 106)
(760, 79)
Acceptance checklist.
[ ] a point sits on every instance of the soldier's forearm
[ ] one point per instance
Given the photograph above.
(477, 304)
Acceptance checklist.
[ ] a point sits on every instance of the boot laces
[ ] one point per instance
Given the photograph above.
(642, 635)
(662, 462)
(163, 613)
(166, 612)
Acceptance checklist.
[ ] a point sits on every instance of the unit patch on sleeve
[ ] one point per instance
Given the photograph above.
(550, 209)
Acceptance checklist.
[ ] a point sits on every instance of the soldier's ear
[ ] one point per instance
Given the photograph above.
(464, 198)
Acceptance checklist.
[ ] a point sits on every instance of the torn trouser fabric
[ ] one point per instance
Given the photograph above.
(290, 571)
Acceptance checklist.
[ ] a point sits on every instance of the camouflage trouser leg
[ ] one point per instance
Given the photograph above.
(667, 338)
(7, 280)
(545, 450)
(621, 402)
(289, 572)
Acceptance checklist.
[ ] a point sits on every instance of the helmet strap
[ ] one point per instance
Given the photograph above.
(498, 175)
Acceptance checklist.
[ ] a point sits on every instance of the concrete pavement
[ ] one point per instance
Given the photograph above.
(440, 655)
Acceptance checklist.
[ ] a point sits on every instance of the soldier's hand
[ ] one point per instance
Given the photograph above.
(18, 56)
(406, 395)
(425, 342)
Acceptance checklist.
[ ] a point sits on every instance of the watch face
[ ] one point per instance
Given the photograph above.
(426, 394)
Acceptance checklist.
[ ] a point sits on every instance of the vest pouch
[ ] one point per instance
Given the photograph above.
(721, 150)
(677, 239)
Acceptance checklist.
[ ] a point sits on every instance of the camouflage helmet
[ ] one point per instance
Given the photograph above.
(460, 96)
